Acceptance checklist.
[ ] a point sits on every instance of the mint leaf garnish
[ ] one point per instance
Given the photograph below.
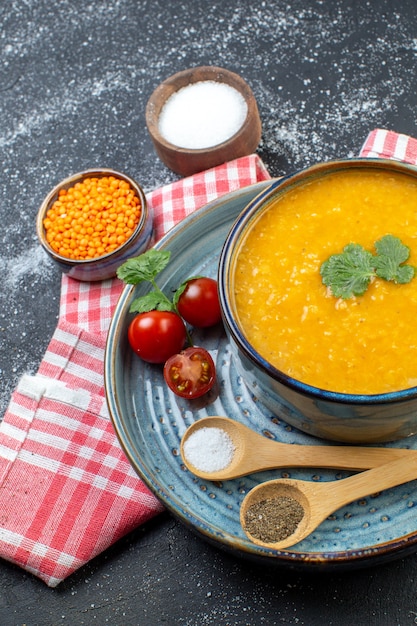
(152, 301)
(349, 273)
(405, 274)
(145, 268)
(391, 252)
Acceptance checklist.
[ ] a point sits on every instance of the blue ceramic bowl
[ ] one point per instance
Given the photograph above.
(336, 416)
(103, 267)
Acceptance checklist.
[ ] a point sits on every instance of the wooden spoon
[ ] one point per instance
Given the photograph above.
(254, 452)
(319, 500)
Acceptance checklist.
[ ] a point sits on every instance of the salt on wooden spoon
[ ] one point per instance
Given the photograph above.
(297, 507)
(219, 448)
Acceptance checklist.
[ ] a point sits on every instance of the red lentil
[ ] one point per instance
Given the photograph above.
(92, 218)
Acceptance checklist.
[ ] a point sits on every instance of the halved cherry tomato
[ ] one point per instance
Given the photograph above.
(156, 335)
(191, 373)
(199, 302)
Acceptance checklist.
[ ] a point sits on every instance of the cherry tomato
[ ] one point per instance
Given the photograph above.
(199, 303)
(156, 335)
(191, 373)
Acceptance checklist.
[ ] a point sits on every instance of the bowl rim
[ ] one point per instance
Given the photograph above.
(259, 204)
(181, 79)
(70, 181)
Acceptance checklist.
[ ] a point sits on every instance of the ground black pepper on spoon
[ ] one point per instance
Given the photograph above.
(298, 507)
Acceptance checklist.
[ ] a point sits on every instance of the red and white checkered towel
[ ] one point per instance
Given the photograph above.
(67, 490)
(386, 144)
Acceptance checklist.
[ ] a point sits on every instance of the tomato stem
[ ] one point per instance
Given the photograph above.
(189, 338)
(172, 308)
(164, 298)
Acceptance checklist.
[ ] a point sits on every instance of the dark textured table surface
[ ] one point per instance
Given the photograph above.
(74, 81)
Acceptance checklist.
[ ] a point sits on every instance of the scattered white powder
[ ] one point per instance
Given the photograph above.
(32, 262)
(202, 115)
(319, 90)
(209, 449)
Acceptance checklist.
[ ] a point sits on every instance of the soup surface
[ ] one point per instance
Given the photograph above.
(365, 344)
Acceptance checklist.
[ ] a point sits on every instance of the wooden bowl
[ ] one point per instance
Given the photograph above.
(186, 161)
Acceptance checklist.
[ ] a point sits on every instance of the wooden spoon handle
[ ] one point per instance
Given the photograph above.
(273, 455)
(335, 494)
(321, 499)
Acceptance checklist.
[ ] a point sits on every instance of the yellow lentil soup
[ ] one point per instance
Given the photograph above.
(362, 345)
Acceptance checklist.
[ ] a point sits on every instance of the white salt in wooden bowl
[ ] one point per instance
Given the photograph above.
(203, 117)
